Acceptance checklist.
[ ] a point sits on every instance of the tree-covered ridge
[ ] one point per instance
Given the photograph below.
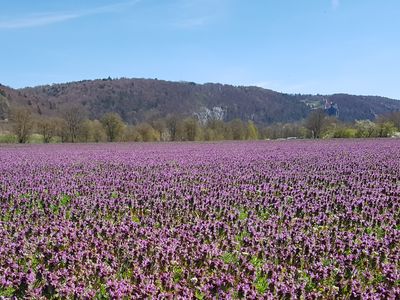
(144, 100)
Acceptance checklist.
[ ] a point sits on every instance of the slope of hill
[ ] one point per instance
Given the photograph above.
(138, 100)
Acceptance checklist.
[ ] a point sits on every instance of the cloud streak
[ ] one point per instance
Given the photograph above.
(38, 20)
(44, 19)
(192, 22)
(192, 14)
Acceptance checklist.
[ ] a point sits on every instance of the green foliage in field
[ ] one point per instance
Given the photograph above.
(8, 139)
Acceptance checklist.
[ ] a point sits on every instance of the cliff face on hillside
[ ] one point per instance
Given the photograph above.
(138, 100)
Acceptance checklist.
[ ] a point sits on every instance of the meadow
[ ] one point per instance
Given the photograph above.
(228, 220)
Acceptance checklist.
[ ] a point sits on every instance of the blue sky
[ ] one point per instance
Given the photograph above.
(294, 46)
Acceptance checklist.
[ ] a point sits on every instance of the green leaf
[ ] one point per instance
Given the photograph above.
(261, 284)
(229, 258)
(102, 293)
(7, 291)
(243, 214)
(65, 199)
(199, 295)
(177, 274)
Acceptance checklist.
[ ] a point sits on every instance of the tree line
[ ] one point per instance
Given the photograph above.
(72, 126)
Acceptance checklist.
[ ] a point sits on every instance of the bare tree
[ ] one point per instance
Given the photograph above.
(238, 129)
(315, 123)
(147, 132)
(252, 131)
(217, 130)
(47, 128)
(61, 129)
(160, 126)
(172, 126)
(73, 116)
(191, 128)
(97, 131)
(22, 120)
(113, 126)
(131, 134)
(85, 132)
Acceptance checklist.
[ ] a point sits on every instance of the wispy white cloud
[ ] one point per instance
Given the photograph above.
(191, 14)
(37, 20)
(192, 22)
(335, 4)
(44, 19)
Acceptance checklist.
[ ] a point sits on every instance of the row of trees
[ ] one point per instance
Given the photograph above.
(72, 126)
(321, 126)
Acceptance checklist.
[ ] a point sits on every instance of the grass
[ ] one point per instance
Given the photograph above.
(229, 258)
(36, 139)
(177, 274)
(261, 284)
(65, 199)
(243, 214)
(7, 292)
(8, 139)
(33, 139)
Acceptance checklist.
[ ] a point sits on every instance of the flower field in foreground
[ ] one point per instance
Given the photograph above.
(256, 220)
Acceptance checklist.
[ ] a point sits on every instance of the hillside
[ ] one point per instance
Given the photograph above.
(138, 100)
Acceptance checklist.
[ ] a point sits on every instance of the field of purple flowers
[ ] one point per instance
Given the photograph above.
(267, 220)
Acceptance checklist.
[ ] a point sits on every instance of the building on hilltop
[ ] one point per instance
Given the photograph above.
(331, 109)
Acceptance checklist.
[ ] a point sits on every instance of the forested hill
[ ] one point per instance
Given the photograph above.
(138, 100)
